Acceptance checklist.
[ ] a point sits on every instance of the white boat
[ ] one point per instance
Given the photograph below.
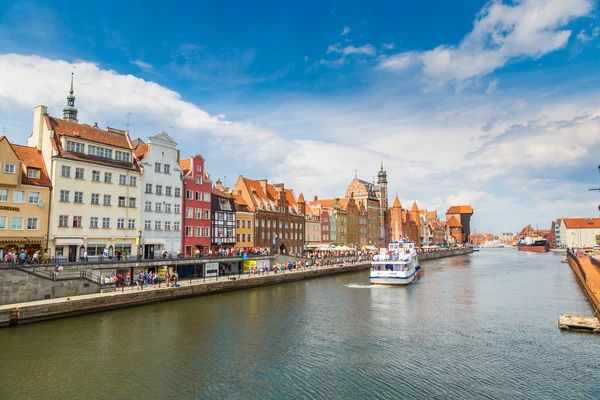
(397, 265)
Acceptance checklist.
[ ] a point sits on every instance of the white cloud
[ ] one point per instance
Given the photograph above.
(583, 37)
(142, 64)
(388, 46)
(346, 31)
(367, 50)
(492, 86)
(501, 33)
(305, 58)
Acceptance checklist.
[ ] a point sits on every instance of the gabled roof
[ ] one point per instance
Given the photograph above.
(460, 210)
(111, 137)
(414, 206)
(453, 223)
(324, 203)
(185, 165)
(142, 151)
(582, 223)
(396, 203)
(30, 157)
(301, 198)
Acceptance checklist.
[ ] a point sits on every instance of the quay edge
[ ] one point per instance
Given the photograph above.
(36, 311)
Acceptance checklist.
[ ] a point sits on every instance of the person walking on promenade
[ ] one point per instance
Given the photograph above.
(197, 252)
(85, 255)
(56, 271)
(178, 253)
(45, 257)
(164, 254)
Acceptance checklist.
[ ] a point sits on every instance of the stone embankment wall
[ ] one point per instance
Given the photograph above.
(17, 286)
(434, 255)
(58, 308)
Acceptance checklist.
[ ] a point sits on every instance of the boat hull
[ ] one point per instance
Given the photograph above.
(393, 280)
(536, 249)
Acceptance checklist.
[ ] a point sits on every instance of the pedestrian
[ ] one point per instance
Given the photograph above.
(197, 252)
(45, 257)
(85, 255)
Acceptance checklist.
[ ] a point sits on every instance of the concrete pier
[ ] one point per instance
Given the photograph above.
(588, 276)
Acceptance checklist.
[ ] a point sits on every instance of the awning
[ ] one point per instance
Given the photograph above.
(153, 241)
(22, 239)
(68, 242)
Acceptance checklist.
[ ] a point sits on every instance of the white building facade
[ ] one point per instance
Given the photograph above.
(580, 232)
(162, 200)
(95, 204)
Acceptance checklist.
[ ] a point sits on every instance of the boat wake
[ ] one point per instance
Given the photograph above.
(365, 286)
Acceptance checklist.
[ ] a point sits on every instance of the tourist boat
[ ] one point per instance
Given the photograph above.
(397, 265)
(538, 245)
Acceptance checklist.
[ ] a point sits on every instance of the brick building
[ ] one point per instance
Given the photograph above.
(461, 222)
(278, 222)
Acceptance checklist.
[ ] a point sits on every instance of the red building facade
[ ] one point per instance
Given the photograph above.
(325, 227)
(197, 193)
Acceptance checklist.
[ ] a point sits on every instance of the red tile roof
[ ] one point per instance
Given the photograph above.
(396, 203)
(324, 203)
(301, 198)
(582, 223)
(91, 133)
(414, 206)
(185, 165)
(453, 223)
(460, 210)
(142, 151)
(30, 158)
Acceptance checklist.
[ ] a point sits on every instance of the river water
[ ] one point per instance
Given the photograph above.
(476, 326)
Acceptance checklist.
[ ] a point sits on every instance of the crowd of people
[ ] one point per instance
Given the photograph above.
(24, 257)
(143, 279)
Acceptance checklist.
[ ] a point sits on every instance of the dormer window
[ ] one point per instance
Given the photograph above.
(33, 173)
(122, 156)
(268, 207)
(75, 147)
(260, 205)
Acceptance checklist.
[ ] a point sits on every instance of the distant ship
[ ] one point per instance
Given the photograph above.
(396, 266)
(492, 244)
(538, 245)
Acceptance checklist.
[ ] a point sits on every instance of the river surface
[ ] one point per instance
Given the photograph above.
(476, 326)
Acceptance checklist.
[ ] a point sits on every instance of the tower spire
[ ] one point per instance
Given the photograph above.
(70, 112)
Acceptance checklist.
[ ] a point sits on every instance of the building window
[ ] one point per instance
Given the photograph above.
(132, 181)
(65, 171)
(168, 190)
(93, 222)
(131, 224)
(121, 201)
(262, 223)
(33, 173)
(77, 222)
(78, 198)
(280, 224)
(167, 207)
(189, 212)
(34, 197)
(199, 179)
(120, 223)
(75, 147)
(167, 168)
(63, 220)
(176, 225)
(177, 192)
(132, 202)
(256, 223)
(262, 235)
(99, 151)
(9, 168)
(3, 219)
(16, 223)
(157, 167)
(148, 188)
(64, 195)
(95, 198)
(159, 190)
(108, 177)
(188, 231)
(269, 223)
(268, 235)
(122, 179)
(237, 223)
(96, 176)
(198, 231)
(4, 193)
(189, 194)
(244, 224)
(122, 156)
(107, 199)
(158, 206)
(167, 225)
(147, 225)
(177, 209)
(243, 237)
(79, 172)
(198, 196)
(237, 237)
(206, 214)
(206, 196)
(206, 232)
(106, 222)
(198, 213)
(249, 237)
(148, 206)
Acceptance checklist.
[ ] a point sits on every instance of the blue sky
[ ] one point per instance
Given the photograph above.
(489, 103)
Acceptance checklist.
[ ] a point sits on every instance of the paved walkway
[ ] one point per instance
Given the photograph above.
(592, 280)
(182, 282)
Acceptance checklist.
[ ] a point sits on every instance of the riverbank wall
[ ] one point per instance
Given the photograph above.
(35, 311)
(588, 276)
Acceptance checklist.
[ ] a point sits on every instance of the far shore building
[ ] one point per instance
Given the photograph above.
(458, 219)
(24, 199)
(223, 237)
(162, 200)
(278, 221)
(312, 224)
(96, 185)
(197, 220)
(244, 224)
(580, 232)
(401, 225)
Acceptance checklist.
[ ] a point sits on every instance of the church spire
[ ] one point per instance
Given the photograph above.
(70, 112)
(382, 175)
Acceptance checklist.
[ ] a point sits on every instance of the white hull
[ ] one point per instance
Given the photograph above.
(393, 278)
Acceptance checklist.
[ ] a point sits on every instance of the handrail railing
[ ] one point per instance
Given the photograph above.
(576, 260)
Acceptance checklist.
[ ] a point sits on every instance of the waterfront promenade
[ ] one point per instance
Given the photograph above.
(588, 276)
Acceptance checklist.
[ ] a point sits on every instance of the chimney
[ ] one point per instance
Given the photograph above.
(95, 124)
(177, 155)
(316, 198)
(38, 127)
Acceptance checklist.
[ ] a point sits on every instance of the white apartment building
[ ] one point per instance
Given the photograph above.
(95, 201)
(162, 200)
(580, 232)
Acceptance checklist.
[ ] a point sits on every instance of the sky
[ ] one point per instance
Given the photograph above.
(495, 104)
